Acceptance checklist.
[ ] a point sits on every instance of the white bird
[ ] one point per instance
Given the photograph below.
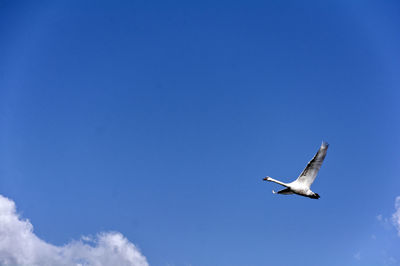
(301, 186)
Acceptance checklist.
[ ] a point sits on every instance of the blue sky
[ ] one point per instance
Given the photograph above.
(158, 119)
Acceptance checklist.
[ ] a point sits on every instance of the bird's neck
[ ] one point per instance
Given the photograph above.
(278, 182)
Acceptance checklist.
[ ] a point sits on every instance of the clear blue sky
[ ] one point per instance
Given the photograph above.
(158, 119)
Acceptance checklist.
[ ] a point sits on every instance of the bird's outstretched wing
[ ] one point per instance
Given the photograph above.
(286, 191)
(309, 174)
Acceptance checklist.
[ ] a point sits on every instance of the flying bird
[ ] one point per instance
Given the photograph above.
(301, 186)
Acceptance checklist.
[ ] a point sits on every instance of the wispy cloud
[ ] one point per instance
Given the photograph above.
(19, 246)
(396, 215)
(357, 256)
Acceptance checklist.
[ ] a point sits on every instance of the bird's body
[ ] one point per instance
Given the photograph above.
(301, 186)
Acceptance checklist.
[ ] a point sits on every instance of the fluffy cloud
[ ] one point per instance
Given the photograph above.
(19, 246)
(396, 215)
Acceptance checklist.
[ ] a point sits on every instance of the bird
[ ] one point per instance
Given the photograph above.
(301, 186)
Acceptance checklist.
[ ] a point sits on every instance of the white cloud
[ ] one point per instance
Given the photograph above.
(19, 246)
(396, 215)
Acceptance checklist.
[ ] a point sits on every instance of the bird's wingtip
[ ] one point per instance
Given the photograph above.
(324, 144)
